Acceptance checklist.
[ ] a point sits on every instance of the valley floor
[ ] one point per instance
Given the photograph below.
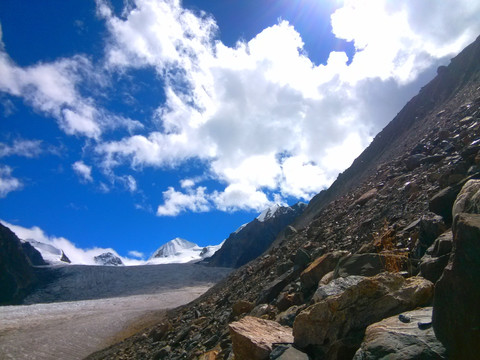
(73, 330)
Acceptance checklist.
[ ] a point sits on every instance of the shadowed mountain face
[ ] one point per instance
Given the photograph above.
(387, 196)
(17, 275)
(252, 239)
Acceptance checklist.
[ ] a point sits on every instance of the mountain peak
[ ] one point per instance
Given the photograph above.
(172, 248)
(269, 212)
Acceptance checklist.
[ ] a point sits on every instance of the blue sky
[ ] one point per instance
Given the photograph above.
(128, 123)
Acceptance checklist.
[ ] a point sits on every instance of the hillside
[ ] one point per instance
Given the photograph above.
(324, 282)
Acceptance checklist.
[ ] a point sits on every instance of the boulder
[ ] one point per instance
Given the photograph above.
(368, 264)
(320, 267)
(335, 287)
(442, 202)
(468, 199)
(456, 310)
(242, 307)
(334, 327)
(253, 338)
(288, 316)
(425, 230)
(302, 258)
(436, 257)
(392, 338)
(287, 352)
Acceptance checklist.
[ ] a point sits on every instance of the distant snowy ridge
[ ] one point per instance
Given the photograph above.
(180, 251)
(269, 213)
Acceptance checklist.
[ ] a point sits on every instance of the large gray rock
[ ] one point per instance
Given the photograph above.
(287, 352)
(336, 287)
(456, 310)
(436, 258)
(334, 327)
(394, 339)
(468, 200)
(253, 338)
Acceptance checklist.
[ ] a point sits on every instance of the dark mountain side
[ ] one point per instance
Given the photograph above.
(17, 276)
(251, 240)
(406, 129)
(377, 251)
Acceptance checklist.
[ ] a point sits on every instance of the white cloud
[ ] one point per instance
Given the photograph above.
(8, 183)
(176, 202)
(261, 114)
(26, 148)
(76, 255)
(136, 254)
(83, 171)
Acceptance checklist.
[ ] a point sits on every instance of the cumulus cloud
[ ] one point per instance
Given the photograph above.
(20, 147)
(52, 89)
(8, 183)
(175, 202)
(265, 118)
(83, 171)
(76, 255)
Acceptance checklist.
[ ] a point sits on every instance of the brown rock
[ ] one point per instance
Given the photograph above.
(362, 200)
(328, 323)
(242, 307)
(252, 338)
(321, 266)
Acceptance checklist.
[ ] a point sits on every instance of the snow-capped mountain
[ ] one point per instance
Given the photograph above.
(108, 259)
(178, 251)
(50, 253)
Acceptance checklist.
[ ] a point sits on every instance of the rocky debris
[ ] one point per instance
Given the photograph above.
(436, 257)
(335, 325)
(362, 200)
(456, 314)
(273, 289)
(320, 267)
(393, 338)
(17, 276)
(253, 338)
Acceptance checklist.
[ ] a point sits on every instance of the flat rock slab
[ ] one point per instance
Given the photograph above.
(394, 339)
(253, 338)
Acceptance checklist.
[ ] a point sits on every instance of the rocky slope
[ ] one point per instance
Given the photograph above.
(253, 238)
(364, 255)
(17, 276)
